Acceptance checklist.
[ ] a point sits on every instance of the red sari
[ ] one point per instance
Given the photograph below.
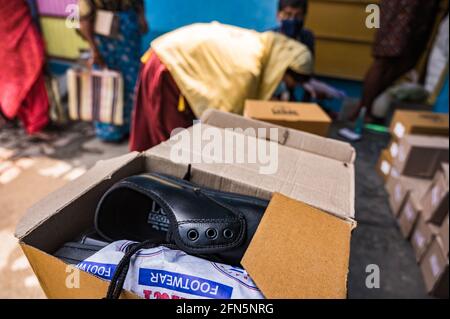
(156, 112)
(22, 85)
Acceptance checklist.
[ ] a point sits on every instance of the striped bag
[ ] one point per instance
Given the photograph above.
(55, 8)
(96, 96)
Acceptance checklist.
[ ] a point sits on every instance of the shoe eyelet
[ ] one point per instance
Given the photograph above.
(211, 233)
(228, 233)
(192, 235)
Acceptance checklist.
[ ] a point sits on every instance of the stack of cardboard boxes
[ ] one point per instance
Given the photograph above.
(416, 171)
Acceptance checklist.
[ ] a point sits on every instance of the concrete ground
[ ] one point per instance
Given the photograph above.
(30, 170)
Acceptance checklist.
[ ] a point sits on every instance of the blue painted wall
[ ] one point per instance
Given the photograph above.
(167, 15)
(442, 102)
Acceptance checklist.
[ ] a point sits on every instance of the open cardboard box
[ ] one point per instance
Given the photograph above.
(301, 248)
(420, 156)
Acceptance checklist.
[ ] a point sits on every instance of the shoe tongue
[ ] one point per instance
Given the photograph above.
(157, 219)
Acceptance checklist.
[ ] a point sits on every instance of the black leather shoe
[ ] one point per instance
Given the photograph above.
(214, 225)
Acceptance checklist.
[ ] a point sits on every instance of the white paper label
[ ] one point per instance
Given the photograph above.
(435, 268)
(398, 193)
(103, 22)
(385, 168)
(399, 130)
(409, 212)
(419, 239)
(394, 150)
(435, 196)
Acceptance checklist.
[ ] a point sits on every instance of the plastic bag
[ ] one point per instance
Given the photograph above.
(162, 273)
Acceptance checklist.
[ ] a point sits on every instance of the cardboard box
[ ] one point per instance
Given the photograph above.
(400, 188)
(384, 164)
(409, 215)
(443, 234)
(420, 156)
(420, 123)
(434, 268)
(422, 237)
(436, 199)
(306, 117)
(306, 229)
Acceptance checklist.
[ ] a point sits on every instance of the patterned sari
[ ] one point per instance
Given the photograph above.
(122, 54)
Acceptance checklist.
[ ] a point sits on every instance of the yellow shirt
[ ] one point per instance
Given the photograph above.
(220, 66)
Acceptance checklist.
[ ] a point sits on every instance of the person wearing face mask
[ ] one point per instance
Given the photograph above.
(210, 65)
(292, 16)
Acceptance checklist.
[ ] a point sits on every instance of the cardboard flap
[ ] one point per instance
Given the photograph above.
(319, 181)
(54, 202)
(311, 143)
(55, 277)
(308, 251)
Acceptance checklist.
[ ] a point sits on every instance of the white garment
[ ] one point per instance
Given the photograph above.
(438, 58)
(162, 273)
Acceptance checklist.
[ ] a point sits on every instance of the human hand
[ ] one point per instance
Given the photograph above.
(96, 59)
(320, 90)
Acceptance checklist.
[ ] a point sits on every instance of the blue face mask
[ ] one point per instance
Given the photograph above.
(291, 27)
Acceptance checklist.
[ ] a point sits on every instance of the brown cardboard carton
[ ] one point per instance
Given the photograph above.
(409, 215)
(434, 268)
(306, 117)
(420, 156)
(316, 186)
(399, 189)
(419, 122)
(384, 164)
(443, 233)
(435, 201)
(422, 237)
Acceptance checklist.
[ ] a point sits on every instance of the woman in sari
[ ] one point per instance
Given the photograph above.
(210, 66)
(121, 53)
(22, 86)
